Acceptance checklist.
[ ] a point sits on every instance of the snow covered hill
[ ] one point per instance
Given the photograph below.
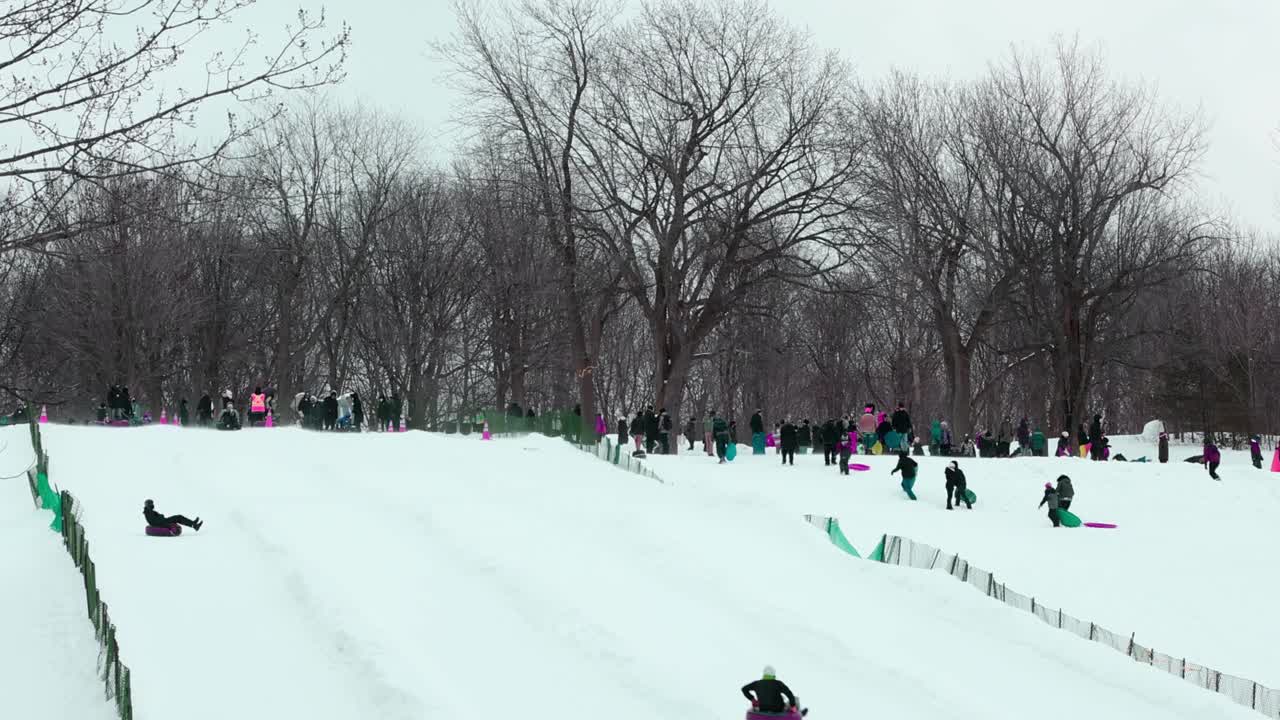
(413, 575)
(1190, 568)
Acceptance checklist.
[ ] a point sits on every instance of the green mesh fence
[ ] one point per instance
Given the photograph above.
(114, 674)
(552, 423)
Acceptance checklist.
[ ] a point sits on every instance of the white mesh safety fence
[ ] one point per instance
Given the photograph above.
(905, 551)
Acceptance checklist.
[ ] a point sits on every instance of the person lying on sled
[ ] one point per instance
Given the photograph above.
(769, 694)
(155, 519)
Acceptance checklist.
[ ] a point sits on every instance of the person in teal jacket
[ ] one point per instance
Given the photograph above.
(908, 468)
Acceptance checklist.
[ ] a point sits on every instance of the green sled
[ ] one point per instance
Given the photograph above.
(731, 452)
(1067, 518)
(971, 496)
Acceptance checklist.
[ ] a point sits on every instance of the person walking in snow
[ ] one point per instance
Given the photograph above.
(804, 437)
(622, 431)
(357, 412)
(1095, 438)
(709, 435)
(651, 429)
(1211, 457)
(184, 414)
(935, 437)
(1051, 499)
(690, 430)
(957, 485)
(720, 429)
(757, 432)
(1255, 451)
(787, 441)
(330, 417)
(945, 446)
(828, 437)
(664, 431)
(1004, 438)
(867, 429)
(907, 467)
(155, 519)
(769, 694)
(1024, 436)
(1039, 444)
(1162, 447)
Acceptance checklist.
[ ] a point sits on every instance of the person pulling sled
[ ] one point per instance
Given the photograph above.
(771, 698)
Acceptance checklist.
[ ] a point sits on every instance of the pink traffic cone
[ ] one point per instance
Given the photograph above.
(164, 417)
(1275, 462)
(485, 435)
(44, 414)
(270, 421)
(402, 427)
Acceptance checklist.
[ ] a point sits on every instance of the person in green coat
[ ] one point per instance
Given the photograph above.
(1039, 445)
(935, 437)
(721, 430)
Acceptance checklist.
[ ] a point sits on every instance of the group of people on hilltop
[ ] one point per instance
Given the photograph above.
(651, 431)
(346, 412)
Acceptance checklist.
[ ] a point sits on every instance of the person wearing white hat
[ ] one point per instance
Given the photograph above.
(769, 694)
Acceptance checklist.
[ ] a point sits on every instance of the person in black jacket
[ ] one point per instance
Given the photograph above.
(1095, 438)
(957, 485)
(622, 431)
(331, 411)
(357, 412)
(788, 440)
(1064, 445)
(155, 519)
(1162, 450)
(637, 428)
(828, 441)
(650, 429)
(664, 431)
(1051, 499)
(804, 435)
(902, 423)
(769, 694)
(907, 467)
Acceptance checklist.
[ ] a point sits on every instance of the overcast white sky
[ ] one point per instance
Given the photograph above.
(1222, 57)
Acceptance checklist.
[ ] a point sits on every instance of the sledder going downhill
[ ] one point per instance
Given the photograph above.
(771, 698)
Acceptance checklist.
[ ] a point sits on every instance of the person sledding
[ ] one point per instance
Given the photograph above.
(771, 696)
(1051, 499)
(907, 467)
(156, 520)
(957, 485)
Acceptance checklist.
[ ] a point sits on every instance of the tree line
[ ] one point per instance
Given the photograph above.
(684, 205)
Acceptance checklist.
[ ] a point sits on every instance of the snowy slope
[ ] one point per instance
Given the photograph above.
(412, 576)
(1191, 569)
(47, 648)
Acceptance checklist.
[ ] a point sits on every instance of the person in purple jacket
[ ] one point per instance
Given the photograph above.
(1255, 451)
(1211, 457)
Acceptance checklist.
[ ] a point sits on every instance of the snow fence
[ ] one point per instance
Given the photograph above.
(115, 674)
(898, 550)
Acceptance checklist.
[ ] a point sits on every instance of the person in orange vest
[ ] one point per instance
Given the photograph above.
(257, 407)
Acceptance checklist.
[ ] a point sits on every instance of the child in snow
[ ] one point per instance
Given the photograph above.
(1051, 499)
(1211, 457)
(769, 694)
(957, 485)
(908, 468)
(1064, 445)
(155, 519)
(1255, 451)
(846, 451)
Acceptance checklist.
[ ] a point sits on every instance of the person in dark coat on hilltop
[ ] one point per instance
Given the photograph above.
(883, 428)
(769, 694)
(1051, 499)
(828, 434)
(691, 430)
(720, 433)
(1082, 436)
(1095, 438)
(788, 440)
(907, 467)
(331, 411)
(357, 412)
(126, 402)
(902, 423)
(651, 429)
(804, 436)
(1064, 445)
(1255, 451)
(397, 411)
(622, 431)
(757, 433)
(664, 431)
(844, 451)
(1024, 436)
(103, 412)
(229, 419)
(382, 412)
(637, 429)
(1003, 438)
(184, 413)
(733, 431)
(957, 485)
(1162, 448)
(1211, 458)
(155, 519)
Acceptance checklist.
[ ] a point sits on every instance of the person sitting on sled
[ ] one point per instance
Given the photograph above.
(155, 519)
(769, 694)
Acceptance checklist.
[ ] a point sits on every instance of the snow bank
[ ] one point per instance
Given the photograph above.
(410, 575)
